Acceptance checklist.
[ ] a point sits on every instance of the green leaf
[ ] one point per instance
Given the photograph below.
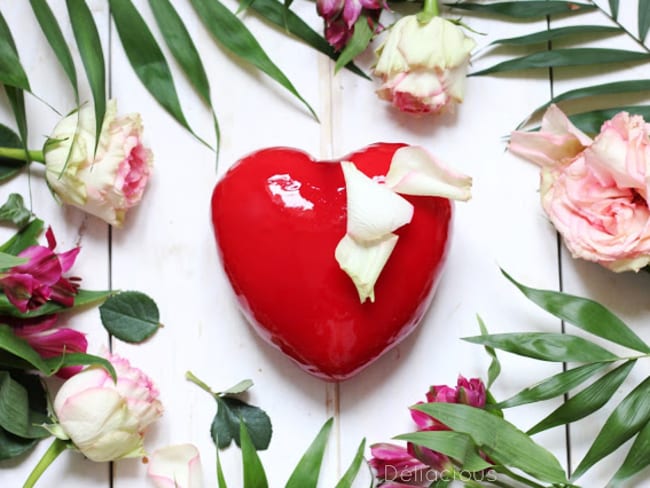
(613, 6)
(54, 36)
(495, 366)
(525, 10)
(23, 410)
(231, 33)
(84, 298)
(306, 473)
(560, 32)
(221, 479)
(12, 73)
(12, 446)
(499, 439)
(586, 401)
(276, 12)
(353, 470)
(131, 316)
(585, 314)
(21, 348)
(358, 43)
(25, 237)
(565, 57)
(627, 419)
(546, 346)
(592, 121)
(9, 261)
(456, 445)
(92, 56)
(636, 459)
(80, 359)
(232, 411)
(16, 98)
(147, 60)
(9, 167)
(644, 19)
(254, 475)
(14, 211)
(240, 387)
(553, 386)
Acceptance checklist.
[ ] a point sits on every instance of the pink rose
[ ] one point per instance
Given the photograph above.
(595, 192)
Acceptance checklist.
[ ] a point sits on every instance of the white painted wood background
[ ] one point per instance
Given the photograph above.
(166, 248)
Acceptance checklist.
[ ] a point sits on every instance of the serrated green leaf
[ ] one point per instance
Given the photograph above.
(13, 211)
(130, 316)
(627, 419)
(12, 446)
(20, 348)
(553, 386)
(9, 261)
(230, 412)
(240, 387)
(28, 236)
(254, 475)
(592, 121)
(586, 401)
(456, 445)
(565, 57)
(231, 33)
(525, 10)
(307, 471)
(276, 13)
(92, 56)
(636, 459)
(9, 166)
(12, 73)
(361, 37)
(546, 346)
(495, 366)
(585, 314)
(613, 7)
(353, 470)
(644, 19)
(500, 440)
(83, 298)
(558, 33)
(54, 36)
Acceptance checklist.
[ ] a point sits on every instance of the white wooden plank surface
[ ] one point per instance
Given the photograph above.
(167, 250)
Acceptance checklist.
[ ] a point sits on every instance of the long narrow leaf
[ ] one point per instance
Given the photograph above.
(525, 10)
(231, 33)
(54, 36)
(613, 7)
(24, 238)
(560, 32)
(554, 386)
(587, 401)
(16, 98)
(644, 19)
(9, 166)
(306, 473)
(92, 56)
(627, 419)
(351, 473)
(221, 479)
(636, 459)
(276, 12)
(254, 475)
(546, 346)
(358, 43)
(19, 347)
(499, 439)
(495, 366)
(565, 57)
(84, 298)
(147, 60)
(585, 314)
(592, 121)
(11, 71)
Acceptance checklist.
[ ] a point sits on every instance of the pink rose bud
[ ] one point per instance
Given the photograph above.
(423, 66)
(106, 420)
(176, 466)
(106, 183)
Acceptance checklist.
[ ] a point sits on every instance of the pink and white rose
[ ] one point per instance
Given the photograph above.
(595, 192)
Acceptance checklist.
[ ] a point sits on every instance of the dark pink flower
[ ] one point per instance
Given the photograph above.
(40, 279)
(396, 464)
(341, 15)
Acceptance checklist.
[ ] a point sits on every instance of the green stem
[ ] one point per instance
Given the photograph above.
(19, 153)
(429, 11)
(56, 448)
(201, 384)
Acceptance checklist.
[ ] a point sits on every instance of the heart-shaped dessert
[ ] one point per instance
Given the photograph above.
(278, 217)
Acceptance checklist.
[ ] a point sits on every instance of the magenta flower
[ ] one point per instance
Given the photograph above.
(40, 279)
(396, 464)
(341, 15)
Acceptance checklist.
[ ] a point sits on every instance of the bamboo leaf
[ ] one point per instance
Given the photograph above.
(254, 475)
(9, 167)
(276, 12)
(147, 60)
(592, 121)
(221, 479)
(24, 238)
(525, 10)
(636, 459)
(92, 56)
(627, 419)
(500, 440)
(358, 43)
(16, 98)
(553, 386)
(495, 366)
(54, 36)
(11, 71)
(565, 57)
(586, 401)
(585, 314)
(560, 32)
(353, 470)
(306, 473)
(613, 6)
(644, 19)
(546, 346)
(231, 33)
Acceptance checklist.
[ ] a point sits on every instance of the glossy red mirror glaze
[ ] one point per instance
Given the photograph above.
(278, 216)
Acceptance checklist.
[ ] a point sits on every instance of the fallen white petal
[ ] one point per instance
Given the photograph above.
(364, 262)
(413, 171)
(374, 211)
(177, 466)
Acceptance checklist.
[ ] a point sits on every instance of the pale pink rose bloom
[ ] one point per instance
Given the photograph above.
(107, 420)
(177, 466)
(595, 193)
(106, 183)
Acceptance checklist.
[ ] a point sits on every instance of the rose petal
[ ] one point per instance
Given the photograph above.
(177, 466)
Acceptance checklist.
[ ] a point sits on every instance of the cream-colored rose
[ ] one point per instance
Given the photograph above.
(423, 65)
(106, 183)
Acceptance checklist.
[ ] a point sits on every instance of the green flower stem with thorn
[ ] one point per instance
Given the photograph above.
(56, 448)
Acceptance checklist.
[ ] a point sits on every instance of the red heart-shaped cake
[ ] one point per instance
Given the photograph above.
(278, 216)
